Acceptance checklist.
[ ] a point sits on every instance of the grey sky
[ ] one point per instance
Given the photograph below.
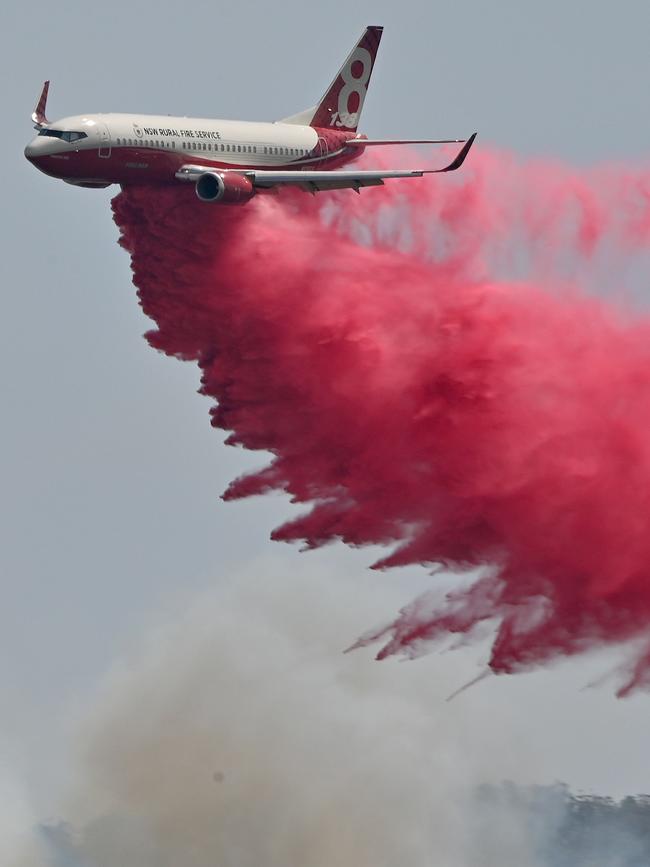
(110, 471)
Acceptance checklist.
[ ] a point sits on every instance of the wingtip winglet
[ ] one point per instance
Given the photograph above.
(38, 115)
(460, 158)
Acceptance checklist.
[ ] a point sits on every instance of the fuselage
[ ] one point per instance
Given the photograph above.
(97, 150)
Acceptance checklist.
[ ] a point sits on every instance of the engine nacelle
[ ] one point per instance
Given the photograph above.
(229, 188)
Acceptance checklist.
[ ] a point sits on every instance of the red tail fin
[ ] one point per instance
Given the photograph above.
(341, 105)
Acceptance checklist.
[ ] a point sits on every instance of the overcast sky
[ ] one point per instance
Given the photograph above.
(110, 472)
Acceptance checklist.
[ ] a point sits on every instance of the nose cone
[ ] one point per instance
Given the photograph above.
(34, 149)
(41, 151)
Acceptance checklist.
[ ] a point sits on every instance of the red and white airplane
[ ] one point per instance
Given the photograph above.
(228, 161)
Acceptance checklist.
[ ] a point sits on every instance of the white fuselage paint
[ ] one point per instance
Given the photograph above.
(233, 143)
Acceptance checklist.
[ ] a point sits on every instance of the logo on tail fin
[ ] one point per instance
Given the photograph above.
(341, 104)
(355, 75)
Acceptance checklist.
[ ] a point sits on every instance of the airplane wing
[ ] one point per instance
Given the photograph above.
(314, 181)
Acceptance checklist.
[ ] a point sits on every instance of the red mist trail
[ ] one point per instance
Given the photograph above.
(411, 396)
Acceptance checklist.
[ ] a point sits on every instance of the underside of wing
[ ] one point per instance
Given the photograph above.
(325, 180)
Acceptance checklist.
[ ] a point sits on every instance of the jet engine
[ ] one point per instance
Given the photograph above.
(229, 188)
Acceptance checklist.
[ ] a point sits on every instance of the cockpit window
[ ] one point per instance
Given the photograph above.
(66, 135)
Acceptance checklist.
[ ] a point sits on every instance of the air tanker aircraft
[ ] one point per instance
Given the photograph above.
(227, 161)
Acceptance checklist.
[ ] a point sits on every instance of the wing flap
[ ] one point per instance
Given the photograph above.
(322, 186)
(319, 180)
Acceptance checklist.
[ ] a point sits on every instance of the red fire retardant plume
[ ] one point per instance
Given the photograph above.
(411, 397)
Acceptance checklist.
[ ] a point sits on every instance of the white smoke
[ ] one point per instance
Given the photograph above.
(18, 845)
(239, 735)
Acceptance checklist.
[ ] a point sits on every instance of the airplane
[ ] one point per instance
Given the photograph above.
(227, 161)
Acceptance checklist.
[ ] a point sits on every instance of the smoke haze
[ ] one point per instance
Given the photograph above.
(239, 734)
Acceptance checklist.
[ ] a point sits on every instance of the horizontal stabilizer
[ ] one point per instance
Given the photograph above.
(369, 142)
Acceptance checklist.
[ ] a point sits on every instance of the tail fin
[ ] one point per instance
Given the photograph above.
(341, 105)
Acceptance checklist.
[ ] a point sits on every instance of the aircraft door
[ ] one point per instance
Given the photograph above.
(322, 149)
(104, 141)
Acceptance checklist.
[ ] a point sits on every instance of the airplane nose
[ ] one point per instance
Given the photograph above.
(41, 146)
(32, 149)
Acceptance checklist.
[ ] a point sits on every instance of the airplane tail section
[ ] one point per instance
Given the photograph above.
(340, 108)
